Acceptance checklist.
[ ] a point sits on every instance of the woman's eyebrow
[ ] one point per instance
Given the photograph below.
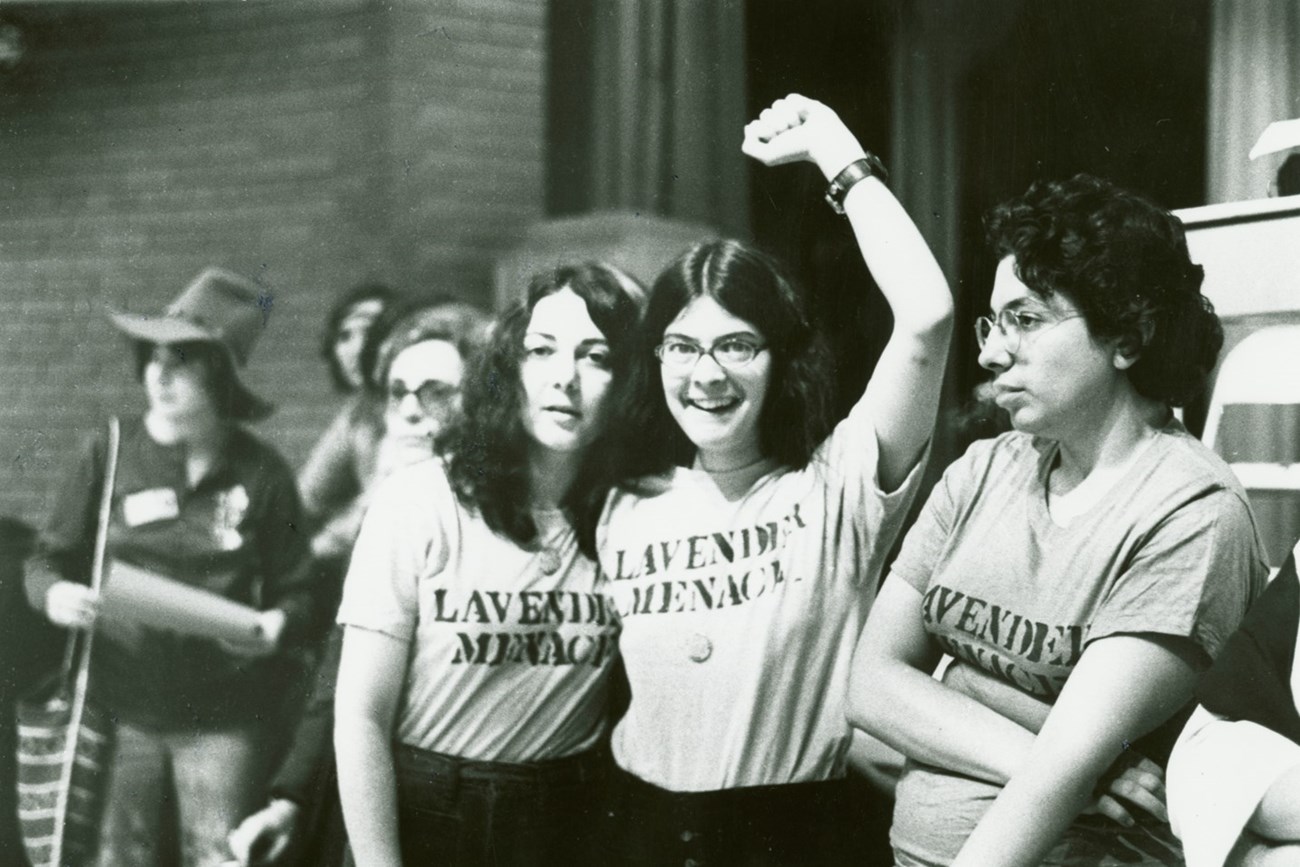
(727, 336)
(1022, 303)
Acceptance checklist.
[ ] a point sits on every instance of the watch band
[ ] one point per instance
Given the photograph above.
(869, 166)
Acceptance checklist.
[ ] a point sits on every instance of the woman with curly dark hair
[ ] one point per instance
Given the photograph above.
(1081, 570)
(474, 685)
(745, 555)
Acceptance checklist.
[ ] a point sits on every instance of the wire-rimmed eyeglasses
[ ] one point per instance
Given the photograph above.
(1013, 325)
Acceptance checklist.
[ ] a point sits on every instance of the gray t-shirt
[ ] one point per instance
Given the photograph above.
(1171, 549)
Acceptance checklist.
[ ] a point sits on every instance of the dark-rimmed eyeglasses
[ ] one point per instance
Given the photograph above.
(677, 354)
(431, 394)
(1013, 325)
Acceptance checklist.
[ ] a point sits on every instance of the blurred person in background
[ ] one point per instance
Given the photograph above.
(198, 500)
(417, 352)
(342, 463)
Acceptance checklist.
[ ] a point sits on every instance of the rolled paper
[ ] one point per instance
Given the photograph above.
(146, 598)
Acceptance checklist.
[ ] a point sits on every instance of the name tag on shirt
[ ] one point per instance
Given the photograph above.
(145, 507)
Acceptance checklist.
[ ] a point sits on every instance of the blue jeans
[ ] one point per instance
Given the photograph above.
(192, 787)
(466, 813)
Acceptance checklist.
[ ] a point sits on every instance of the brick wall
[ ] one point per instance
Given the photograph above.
(309, 145)
(469, 126)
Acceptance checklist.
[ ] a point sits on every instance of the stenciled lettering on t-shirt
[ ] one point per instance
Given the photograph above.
(1030, 654)
(590, 639)
(719, 569)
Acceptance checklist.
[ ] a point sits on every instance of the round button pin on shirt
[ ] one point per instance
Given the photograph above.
(699, 648)
(548, 561)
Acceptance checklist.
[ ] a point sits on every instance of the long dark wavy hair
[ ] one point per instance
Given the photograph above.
(1123, 261)
(797, 413)
(486, 447)
(339, 311)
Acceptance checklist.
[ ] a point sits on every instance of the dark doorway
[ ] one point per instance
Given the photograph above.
(1110, 87)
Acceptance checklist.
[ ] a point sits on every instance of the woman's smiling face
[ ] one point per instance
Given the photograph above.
(718, 408)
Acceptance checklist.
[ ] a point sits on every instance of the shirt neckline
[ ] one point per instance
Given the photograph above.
(733, 483)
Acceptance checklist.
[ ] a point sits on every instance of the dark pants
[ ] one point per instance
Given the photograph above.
(466, 813)
(762, 826)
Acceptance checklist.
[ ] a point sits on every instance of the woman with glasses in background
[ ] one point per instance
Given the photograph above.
(745, 554)
(416, 354)
(1081, 570)
(473, 691)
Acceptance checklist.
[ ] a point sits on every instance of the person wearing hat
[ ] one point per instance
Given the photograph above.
(200, 501)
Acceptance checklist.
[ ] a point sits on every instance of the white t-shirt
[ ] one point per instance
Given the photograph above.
(742, 595)
(511, 649)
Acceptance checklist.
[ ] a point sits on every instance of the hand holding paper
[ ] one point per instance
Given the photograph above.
(272, 625)
(146, 598)
(70, 604)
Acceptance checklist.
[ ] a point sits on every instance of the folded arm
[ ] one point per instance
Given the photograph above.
(1123, 687)
(970, 723)
(893, 696)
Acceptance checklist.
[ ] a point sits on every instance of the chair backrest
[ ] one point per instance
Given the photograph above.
(1254, 423)
(1263, 369)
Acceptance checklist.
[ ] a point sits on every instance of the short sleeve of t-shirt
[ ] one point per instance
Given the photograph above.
(862, 520)
(1170, 549)
(930, 533)
(1190, 576)
(402, 539)
(851, 454)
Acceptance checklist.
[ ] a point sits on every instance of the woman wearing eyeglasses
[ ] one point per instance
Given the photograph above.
(478, 651)
(451, 328)
(744, 557)
(1082, 570)
(416, 356)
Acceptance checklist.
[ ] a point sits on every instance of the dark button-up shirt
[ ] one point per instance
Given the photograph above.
(235, 533)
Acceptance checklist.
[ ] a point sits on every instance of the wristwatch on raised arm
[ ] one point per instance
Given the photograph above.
(869, 166)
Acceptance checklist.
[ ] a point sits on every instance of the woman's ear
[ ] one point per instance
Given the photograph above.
(1128, 349)
(1126, 354)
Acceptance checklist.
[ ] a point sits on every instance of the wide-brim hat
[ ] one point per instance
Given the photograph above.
(218, 307)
